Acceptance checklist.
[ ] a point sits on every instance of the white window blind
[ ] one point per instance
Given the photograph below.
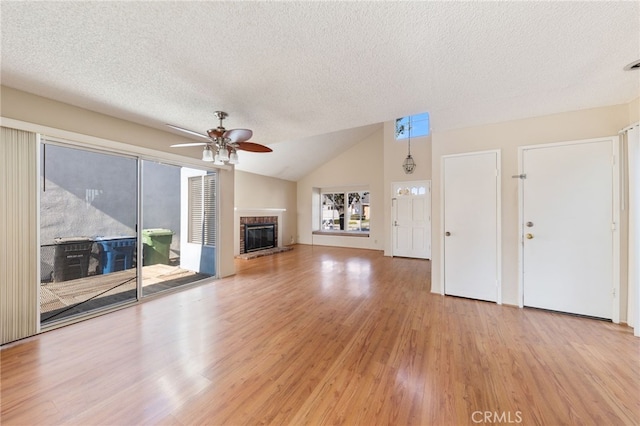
(202, 212)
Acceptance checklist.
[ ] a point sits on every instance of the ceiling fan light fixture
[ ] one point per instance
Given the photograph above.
(233, 158)
(222, 144)
(224, 154)
(207, 155)
(217, 161)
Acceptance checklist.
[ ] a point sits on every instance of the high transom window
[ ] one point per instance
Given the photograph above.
(412, 126)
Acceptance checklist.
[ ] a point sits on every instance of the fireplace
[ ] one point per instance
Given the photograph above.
(259, 236)
(255, 222)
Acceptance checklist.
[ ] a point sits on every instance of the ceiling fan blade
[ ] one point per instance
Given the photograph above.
(191, 132)
(178, 145)
(238, 135)
(252, 147)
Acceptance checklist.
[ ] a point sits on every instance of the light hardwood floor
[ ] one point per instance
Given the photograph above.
(323, 335)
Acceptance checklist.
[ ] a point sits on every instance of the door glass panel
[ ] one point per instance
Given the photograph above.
(88, 216)
(179, 224)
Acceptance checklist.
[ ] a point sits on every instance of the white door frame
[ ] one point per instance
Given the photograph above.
(498, 218)
(615, 318)
(633, 209)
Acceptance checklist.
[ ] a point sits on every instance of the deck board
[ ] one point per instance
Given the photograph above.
(62, 294)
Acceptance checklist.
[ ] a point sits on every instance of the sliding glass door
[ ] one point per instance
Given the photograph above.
(88, 236)
(89, 207)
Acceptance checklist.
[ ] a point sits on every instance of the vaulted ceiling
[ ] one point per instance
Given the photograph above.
(312, 78)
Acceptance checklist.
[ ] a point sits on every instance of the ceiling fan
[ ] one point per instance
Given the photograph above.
(221, 145)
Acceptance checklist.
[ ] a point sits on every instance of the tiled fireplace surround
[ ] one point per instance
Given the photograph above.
(257, 219)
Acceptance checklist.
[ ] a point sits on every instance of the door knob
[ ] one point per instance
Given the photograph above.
(529, 236)
(448, 234)
(529, 224)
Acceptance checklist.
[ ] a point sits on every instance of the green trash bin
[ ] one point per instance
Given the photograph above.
(156, 243)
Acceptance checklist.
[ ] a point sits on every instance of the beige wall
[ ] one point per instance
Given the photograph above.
(46, 112)
(507, 137)
(255, 192)
(361, 165)
(18, 105)
(634, 111)
(226, 265)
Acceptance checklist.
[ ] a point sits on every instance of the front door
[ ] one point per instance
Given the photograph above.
(411, 204)
(567, 217)
(471, 194)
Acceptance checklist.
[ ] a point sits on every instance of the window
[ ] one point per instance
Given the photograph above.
(347, 211)
(412, 126)
(202, 219)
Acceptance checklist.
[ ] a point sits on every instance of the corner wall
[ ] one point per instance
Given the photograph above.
(360, 165)
(255, 192)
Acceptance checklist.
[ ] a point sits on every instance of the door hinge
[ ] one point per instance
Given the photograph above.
(613, 226)
(613, 160)
(614, 292)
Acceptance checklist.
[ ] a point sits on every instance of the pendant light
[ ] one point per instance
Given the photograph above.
(409, 164)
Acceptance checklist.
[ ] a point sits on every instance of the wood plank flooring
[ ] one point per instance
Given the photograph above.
(322, 335)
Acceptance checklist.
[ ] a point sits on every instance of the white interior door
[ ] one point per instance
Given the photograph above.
(471, 212)
(567, 217)
(411, 205)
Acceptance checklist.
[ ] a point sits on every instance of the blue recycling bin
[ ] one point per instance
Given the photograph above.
(116, 253)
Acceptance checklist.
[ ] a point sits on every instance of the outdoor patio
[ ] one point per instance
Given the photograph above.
(101, 290)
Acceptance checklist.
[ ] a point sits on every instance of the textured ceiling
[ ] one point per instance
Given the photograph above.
(301, 73)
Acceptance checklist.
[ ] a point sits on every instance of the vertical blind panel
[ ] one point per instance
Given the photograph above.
(18, 227)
